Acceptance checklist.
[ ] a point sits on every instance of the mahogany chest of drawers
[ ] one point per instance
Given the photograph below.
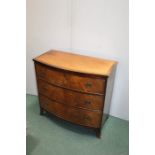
(75, 88)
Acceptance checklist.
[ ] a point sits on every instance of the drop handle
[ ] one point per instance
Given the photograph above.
(87, 102)
(88, 85)
(87, 118)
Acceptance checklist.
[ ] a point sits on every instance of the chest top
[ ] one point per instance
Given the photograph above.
(76, 63)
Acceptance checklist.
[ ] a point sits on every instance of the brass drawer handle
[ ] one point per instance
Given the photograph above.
(88, 85)
(87, 118)
(87, 102)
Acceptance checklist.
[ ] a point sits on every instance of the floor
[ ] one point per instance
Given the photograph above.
(51, 136)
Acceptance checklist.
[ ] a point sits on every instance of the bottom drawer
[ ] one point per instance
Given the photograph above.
(74, 115)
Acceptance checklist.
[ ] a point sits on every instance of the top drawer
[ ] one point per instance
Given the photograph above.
(70, 80)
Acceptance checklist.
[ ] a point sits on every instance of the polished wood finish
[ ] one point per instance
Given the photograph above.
(70, 88)
(76, 62)
(75, 115)
(68, 97)
(70, 80)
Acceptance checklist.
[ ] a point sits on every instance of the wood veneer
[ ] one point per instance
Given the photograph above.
(69, 97)
(70, 80)
(75, 88)
(76, 62)
(74, 115)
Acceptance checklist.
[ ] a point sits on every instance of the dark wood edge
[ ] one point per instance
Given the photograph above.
(103, 119)
(75, 90)
(72, 72)
(87, 109)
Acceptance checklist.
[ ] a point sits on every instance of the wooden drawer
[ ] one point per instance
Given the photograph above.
(82, 117)
(69, 97)
(70, 80)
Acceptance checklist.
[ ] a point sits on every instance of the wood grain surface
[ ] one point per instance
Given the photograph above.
(70, 80)
(75, 88)
(78, 116)
(77, 63)
(71, 98)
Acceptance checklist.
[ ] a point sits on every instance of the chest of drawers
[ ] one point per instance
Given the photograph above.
(75, 88)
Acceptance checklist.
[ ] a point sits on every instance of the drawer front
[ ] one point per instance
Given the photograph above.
(71, 98)
(74, 115)
(70, 80)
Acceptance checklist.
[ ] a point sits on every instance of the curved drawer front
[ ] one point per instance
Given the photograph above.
(72, 98)
(70, 80)
(82, 117)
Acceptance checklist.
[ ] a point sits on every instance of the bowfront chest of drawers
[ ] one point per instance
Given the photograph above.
(75, 88)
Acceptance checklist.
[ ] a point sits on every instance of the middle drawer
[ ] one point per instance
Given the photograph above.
(69, 97)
